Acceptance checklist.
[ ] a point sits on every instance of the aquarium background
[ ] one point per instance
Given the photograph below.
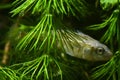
(28, 38)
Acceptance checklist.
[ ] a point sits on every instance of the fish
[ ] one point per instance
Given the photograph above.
(80, 45)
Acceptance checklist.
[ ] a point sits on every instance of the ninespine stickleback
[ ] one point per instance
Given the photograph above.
(82, 46)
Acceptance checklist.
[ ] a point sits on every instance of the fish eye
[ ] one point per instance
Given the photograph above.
(100, 50)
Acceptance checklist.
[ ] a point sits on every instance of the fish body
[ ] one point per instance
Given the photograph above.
(82, 46)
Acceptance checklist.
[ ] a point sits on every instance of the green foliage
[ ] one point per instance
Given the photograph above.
(108, 4)
(109, 69)
(43, 37)
(39, 53)
(43, 27)
(4, 6)
(55, 6)
(41, 68)
(7, 73)
(113, 31)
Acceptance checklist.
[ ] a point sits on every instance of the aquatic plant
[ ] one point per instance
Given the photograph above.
(33, 48)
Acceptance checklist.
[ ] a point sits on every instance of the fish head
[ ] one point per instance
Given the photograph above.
(96, 51)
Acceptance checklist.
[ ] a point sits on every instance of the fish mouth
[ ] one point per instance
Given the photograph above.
(105, 57)
(109, 56)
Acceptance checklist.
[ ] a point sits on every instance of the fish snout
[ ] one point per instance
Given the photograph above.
(109, 55)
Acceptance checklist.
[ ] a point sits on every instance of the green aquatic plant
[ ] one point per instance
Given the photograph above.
(40, 68)
(108, 4)
(108, 69)
(41, 39)
(7, 73)
(112, 23)
(44, 6)
(39, 29)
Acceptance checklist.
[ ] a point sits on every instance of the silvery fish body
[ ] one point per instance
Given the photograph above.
(80, 45)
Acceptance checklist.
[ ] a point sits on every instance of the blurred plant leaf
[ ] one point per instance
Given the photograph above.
(45, 67)
(7, 73)
(36, 34)
(5, 6)
(112, 23)
(108, 4)
(43, 6)
(107, 70)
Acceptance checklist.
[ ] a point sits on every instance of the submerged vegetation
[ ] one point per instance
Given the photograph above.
(32, 32)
